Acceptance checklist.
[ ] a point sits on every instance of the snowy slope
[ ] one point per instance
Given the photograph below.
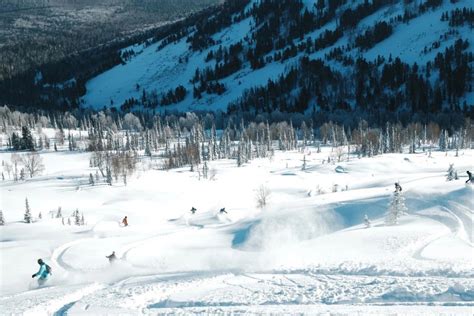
(163, 69)
(300, 254)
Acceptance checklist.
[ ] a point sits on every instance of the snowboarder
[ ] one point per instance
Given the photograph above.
(222, 211)
(112, 257)
(469, 176)
(398, 187)
(193, 210)
(125, 221)
(43, 272)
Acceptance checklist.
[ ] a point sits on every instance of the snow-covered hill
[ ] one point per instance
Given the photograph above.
(417, 32)
(308, 251)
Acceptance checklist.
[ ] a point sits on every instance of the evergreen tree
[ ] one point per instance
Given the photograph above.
(91, 179)
(2, 220)
(59, 214)
(28, 219)
(83, 222)
(452, 174)
(27, 139)
(396, 208)
(77, 218)
(367, 221)
(125, 179)
(109, 176)
(40, 216)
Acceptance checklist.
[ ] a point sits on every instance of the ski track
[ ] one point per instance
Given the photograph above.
(58, 253)
(276, 289)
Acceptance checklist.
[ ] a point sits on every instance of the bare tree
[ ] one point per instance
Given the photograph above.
(8, 168)
(33, 163)
(262, 196)
(16, 160)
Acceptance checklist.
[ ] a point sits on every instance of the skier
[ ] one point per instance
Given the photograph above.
(43, 272)
(398, 187)
(112, 257)
(222, 211)
(125, 221)
(193, 210)
(469, 176)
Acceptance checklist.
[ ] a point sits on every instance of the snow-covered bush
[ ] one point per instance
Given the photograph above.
(452, 173)
(59, 214)
(262, 195)
(367, 221)
(396, 208)
(28, 218)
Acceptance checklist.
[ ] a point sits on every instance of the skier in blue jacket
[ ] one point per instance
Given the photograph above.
(43, 272)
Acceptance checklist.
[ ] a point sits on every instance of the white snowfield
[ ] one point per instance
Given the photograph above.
(308, 251)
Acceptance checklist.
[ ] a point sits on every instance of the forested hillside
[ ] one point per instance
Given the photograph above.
(373, 57)
(51, 41)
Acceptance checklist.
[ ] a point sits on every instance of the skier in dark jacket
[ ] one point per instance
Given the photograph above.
(112, 257)
(222, 211)
(125, 221)
(469, 175)
(43, 272)
(398, 187)
(193, 210)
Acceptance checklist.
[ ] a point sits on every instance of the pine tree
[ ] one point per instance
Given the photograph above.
(367, 221)
(27, 217)
(27, 139)
(40, 216)
(452, 174)
(125, 179)
(59, 214)
(83, 222)
(2, 220)
(77, 218)
(91, 179)
(396, 208)
(109, 176)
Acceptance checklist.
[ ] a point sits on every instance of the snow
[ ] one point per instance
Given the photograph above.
(303, 253)
(408, 40)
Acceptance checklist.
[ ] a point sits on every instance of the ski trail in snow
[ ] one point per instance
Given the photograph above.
(51, 301)
(124, 251)
(459, 231)
(58, 253)
(465, 215)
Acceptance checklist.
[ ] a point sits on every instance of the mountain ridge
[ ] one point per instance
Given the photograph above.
(372, 56)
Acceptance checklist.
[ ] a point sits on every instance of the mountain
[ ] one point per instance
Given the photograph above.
(374, 57)
(35, 33)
